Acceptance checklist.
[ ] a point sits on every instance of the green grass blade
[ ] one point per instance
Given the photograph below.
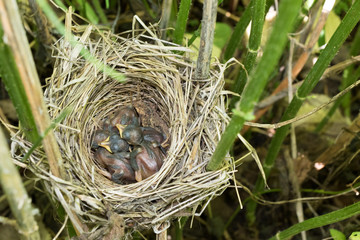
(100, 11)
(52, 126)
(340, 35)
(238, 32)
(258, 13)
(288, 10)
(11, 78)
(60, 4)
(149, 9)
(195, 35)
(326, 219)
(181, 21)
(87, 11)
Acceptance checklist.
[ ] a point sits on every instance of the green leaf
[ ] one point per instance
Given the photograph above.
(320, 221)
(337, 235)
(355, 236)
(238, 32)
(181, 21)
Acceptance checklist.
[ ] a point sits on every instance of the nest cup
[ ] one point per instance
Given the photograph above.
(161, 86)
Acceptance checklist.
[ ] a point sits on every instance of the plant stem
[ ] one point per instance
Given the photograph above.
(17, 42)
(206, 40)
(10, 76)
(300, 63)
(326, 219)
(19, 201)
(258, 13)
(16, 39)
(87, 11)
(238, 32)
(100, 11)
(340, 35)
(181, 21)
(179, 226)
(288, 11)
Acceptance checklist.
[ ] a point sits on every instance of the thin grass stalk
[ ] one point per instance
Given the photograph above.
(301, 61)
(238, 32)
(19, 201)
(179, 227)
(11, 78)
(165, 17)
(206, 39)
(326, 219)
(100, 11)
(258, 14)
(87, 11)
(288, 11)
(60, 4)
(50, 128)
(195, 35)
(340, 35)
(149, 9)
(17, 42)
(181, 21)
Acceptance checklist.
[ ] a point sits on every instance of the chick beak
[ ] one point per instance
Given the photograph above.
(106, 144)
(120, 127)
(138, 176)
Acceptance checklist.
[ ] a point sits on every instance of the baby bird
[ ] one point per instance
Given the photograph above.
(156, 138)
(143, 164)
(115, 143)
(118, 165)
(134, 135)
(125, 116)
(98, 137)
(106, 125)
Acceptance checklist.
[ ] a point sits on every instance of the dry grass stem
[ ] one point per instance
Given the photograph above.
(19, 201)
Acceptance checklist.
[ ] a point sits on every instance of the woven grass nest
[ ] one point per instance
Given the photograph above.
(160, 84)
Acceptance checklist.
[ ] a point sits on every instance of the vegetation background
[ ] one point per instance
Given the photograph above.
(296, 57)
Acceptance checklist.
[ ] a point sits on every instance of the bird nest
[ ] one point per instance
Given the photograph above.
(160, 84)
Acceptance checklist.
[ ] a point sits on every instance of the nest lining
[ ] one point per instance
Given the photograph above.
(161, 88)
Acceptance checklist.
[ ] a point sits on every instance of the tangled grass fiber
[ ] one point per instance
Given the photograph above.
(160, 85)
